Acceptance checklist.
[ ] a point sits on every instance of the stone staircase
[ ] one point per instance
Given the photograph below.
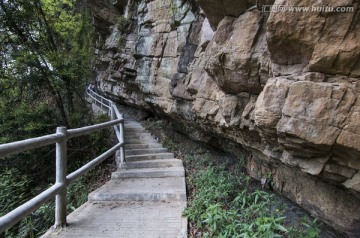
(144, 198)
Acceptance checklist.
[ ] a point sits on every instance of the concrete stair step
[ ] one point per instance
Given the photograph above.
(135, 125)
(145, 151)
(149, 173)
(143, 146)
(133, 131)
(131, 121)
(141, 189)
(124, 219)
(162, 163)
(131, 158)
(138, 136)
(135, 134)
(133, 128)
(132, 125)
(138, 133)
(129, 118)
(141, 141)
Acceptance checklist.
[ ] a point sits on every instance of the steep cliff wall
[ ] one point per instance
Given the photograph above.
(284, 86)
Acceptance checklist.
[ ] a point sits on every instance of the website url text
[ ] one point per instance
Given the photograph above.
(293, 9)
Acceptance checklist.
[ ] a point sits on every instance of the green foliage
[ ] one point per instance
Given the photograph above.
(46, 57)
(24, 121)
(12, 182)
(223, 204)
(46, 54)
(122, 42)
(35, 224)
(170, 144)
(174, 9)
(100, 139)
(309, 229)
(15, 190)
(123, 24)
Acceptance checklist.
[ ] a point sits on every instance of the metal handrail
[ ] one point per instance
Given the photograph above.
(112, 111)
(86, 130)
(99, 100)
(29, 144)
(60, 138)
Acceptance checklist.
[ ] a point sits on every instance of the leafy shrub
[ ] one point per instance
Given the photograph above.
(14, 189)
(17, 188)
(124, 24)
(223, 204)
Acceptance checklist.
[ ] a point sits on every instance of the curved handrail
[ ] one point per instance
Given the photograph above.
(99, 100)
(109, 107)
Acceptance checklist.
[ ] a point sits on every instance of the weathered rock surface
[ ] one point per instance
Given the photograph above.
(216, 10)
(284, 86)
(104, 15)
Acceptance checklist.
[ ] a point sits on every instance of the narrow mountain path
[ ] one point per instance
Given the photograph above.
(144, 198)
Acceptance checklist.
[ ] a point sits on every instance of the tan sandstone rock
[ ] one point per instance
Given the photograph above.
(231, 59)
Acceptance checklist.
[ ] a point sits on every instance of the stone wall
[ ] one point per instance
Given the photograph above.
(283, 86)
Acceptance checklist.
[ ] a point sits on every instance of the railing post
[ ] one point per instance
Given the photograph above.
(122, 149)
(61, 170)
(112, 113)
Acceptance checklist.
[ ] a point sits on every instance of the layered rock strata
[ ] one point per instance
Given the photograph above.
(282, 85)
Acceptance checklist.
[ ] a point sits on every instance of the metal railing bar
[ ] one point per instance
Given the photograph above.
(74, 175)
(29, 144)
(95, 96)
(117, 132)
(117, 113)
(99, 96)
(99, 102)
(88, 129)
(122, 139)
(27, 208)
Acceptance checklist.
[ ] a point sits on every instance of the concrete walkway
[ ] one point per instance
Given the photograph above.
(145, 198)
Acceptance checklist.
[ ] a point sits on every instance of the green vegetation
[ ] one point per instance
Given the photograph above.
(223, 204)
(124, 24)
(46, 58)
(170, 144)
(122, 42)
(174, 10)
(18, 184)
(16, 189)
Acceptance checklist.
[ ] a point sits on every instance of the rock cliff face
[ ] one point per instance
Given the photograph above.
(283, 86)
